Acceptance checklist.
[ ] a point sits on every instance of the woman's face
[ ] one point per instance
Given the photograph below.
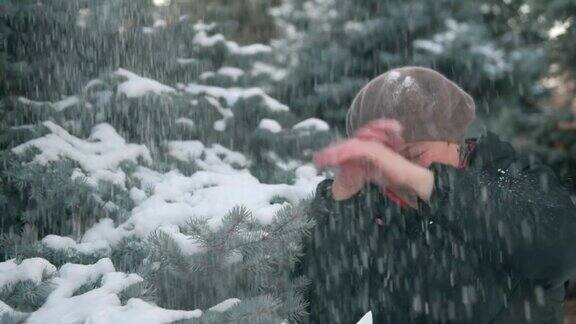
(428, 152)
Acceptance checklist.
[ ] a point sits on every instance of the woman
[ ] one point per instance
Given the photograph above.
(421, 225)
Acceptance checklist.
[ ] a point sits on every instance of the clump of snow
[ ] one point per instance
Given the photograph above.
(252, 49)
(219, 125)
(174, 198)
(100, 305)
(29, 102)
(185, 121)
(99, 155)
(82, 16)
(218, 154)
(277, 74)
(231, 95)
(494, 59)
(137, 86)
(33, 269)
(137, 195)
(105, 230)
(202, 39)
(354, 27)
(266, 214)
(207, 194)
(228, 71)
(560, 28)
(202, 26)
(207, 75)
(137, 311)
(393, 76)
(288, 165)
(77, 173)
(312, 123)
(160, 23)
(225, 305)
(63, 243)
(408, 82)
(65, 103)
(231, 72)
(161, 3)
(187, 245)
(185, 151)
(306, 176)
(26, 126)
(72, 276)
(217, 158)
(186, 61)
(429, 46)
(93, 83)
(270, 125)
(225, 112)
(115, 177)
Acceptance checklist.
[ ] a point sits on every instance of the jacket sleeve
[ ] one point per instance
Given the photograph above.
(519, 217)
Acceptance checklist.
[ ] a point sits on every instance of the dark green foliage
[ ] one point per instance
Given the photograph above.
(541, 133)
(116, 201)
(499, 51)
(140, 290)
(261, 309)
(241, 259)
(340, 45)
(90, 285)
(21, 248)
(548, 132)
(545, 15)
(27, 296)
(40, 199)
(19, 122)
(72, 48)
(87, 38)
(44, 196)
(278, 200)
(152, 119)
(47, 55)
(129, 254)
(9, 318)
(243, 20)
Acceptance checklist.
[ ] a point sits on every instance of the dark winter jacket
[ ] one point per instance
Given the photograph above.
(495, 244)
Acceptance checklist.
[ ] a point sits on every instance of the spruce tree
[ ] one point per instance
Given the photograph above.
(546, 128)
(334, 47)
(170, 180)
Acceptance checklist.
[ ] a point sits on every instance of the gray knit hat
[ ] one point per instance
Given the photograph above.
(426, 103)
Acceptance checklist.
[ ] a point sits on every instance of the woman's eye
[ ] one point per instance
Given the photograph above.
(414, 156)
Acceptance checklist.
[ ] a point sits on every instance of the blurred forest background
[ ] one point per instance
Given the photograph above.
(62, 63)
(517, 57)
